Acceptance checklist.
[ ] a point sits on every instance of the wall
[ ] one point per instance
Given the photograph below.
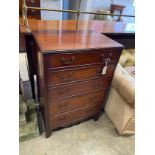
(52, 4)
(74, 5)
(85, 6)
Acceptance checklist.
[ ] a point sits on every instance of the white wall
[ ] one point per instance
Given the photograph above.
(52, 4)
(85, 6)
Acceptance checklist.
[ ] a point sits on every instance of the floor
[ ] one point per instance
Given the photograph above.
(87, 138)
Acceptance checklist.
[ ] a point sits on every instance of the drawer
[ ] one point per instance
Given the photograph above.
(76, 102)
(78, 74)
(78, 88)
(74, 59)
(68, 118)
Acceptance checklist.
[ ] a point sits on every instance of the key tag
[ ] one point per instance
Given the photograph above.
(104, 70)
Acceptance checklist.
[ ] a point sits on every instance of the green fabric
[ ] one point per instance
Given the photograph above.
(127, 58)
(28, 130)
(31, 104)
(22, 108)
(22, 120)
(22, 105)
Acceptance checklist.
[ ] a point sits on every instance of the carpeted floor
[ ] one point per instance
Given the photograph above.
(87, 138)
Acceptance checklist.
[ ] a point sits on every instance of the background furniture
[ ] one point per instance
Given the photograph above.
(127, 39)
(69, 69)
(101, 17)
(120, 106)
(116, 8)
(32, 14)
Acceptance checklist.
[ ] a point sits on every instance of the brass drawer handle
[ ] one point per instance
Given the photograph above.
(67, 62)
(106, 59)
(64, 105)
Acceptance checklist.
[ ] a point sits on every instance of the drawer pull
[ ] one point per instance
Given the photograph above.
(67, 62)
(64, 105)
(106, 59)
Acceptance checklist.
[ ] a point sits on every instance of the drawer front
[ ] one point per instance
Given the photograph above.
(73, 59)
(76, 102)
(77, 74)
(78, 88)
(72, 116)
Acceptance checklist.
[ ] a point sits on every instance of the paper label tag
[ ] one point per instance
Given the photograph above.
(104, 70)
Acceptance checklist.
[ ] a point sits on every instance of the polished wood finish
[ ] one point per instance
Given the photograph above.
(75, 102)
(73, 59)
(75, 88)
(94, 25)
(65, 119)
(69, 69)
(71, 40)
(56, 77)
(123, 33)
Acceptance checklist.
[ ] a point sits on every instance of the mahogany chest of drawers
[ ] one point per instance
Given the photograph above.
(74, 70)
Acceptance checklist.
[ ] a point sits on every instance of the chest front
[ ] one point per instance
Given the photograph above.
(73, 76)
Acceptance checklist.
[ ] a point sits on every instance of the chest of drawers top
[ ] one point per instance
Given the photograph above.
(50, 41)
